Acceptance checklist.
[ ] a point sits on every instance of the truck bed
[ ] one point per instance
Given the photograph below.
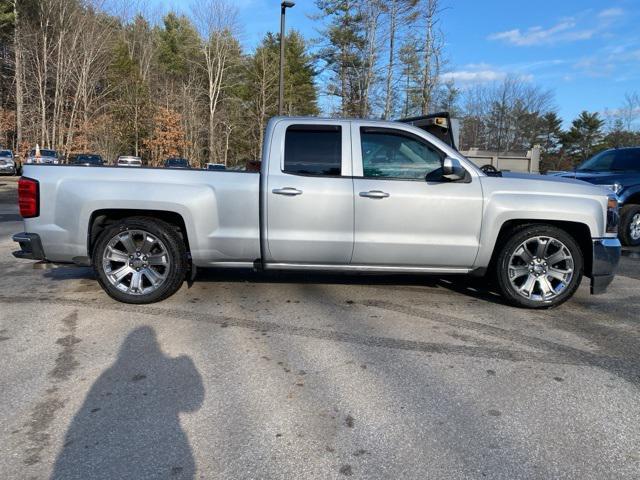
(220, 209)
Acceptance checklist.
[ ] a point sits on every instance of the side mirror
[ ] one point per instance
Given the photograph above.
(452, 170)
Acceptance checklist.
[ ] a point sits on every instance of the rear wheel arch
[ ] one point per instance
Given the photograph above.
(101, 219)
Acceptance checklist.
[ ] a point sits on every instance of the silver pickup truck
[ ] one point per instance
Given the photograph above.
(337, 195)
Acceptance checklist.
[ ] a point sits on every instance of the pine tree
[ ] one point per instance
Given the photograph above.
(584, 136)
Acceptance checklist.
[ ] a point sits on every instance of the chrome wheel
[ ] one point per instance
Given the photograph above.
(136, 262)
(541, 268)
(634, 227)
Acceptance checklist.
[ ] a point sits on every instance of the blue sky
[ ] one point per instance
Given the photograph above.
(586, 51)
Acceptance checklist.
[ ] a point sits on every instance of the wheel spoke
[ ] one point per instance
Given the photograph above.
(147, 243)
(524, 254)
(558, 274)
(558, 257)
(136, 282)
(518, 272)
(527, 286)
(120, 273)
(541, 248)
(127, 240)
(116, 255)
(545, 286)
(158, 260)
(153, 276)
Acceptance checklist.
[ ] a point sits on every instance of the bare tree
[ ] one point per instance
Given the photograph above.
(217, 22)
(400, 14)
(432, 52)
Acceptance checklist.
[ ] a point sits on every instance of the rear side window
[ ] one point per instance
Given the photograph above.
(313, 150)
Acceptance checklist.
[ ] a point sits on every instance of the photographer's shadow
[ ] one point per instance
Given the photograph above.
(128, 426)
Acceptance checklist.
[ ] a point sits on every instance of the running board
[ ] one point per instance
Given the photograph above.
(365, 268)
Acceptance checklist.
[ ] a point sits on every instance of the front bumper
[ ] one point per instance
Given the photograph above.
(606, 256)
(30, 246)
(7, 168)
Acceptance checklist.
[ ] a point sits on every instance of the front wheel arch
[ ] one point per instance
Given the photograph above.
(580, 232)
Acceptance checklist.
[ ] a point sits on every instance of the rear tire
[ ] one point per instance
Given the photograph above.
(630, 225)
(140, 260)
(540, 266)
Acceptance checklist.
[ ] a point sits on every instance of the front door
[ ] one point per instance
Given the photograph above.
(405, 213)
(309, 216)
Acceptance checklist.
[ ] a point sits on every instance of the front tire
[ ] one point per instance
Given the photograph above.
(540, 266)
(140, 260)
(630, 225)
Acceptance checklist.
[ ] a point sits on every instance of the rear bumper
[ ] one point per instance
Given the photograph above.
(30, 246)
(606, 256)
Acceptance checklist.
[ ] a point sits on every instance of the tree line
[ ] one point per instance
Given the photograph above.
(78, 78)
(87, 76)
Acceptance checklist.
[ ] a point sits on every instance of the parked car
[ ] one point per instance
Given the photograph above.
(7, 163)
(332, 195)
(128, 161)
(619, 170)
(86, 159)
(216, 166)
(46, 156)
(177, 163)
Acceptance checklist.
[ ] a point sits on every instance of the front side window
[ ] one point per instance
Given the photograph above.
(313, 150)
(392, 154)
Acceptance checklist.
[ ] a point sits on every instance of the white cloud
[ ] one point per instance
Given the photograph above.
(469, 76)
(611, 13)
(563, 31)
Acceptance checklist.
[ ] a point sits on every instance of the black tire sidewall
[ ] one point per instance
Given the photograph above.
(627, 213)
(175, 248)
(519, 236)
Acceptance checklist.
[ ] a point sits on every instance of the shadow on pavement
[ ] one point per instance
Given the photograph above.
(129, 425)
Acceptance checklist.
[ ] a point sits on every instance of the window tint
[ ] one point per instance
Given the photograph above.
(392, 154)
(313, 150)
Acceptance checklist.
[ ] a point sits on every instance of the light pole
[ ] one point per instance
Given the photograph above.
(283, 7)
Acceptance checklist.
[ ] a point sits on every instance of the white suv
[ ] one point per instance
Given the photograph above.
(128, 161)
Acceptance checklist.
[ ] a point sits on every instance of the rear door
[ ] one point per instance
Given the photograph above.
(405, 213)
(309, 193)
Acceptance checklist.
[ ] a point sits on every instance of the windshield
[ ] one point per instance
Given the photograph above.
(92, 159)
(177, 162)
(625, 159)
(44, 153)
(5, 153)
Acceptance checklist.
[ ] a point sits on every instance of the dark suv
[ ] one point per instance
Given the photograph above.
(618, 169)
(87, 159)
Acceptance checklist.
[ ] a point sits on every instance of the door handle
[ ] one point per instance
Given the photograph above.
(374, 194)
(289, 191)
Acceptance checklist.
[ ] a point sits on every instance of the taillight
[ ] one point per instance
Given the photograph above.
(28, 197)
(613, 215)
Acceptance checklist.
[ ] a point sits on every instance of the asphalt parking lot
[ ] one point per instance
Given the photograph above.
(243, 375)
